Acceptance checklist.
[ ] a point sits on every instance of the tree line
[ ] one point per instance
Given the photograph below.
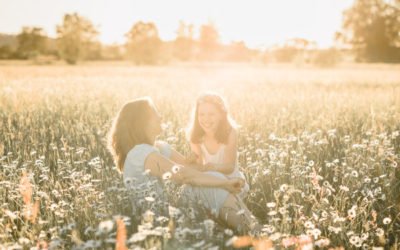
(370, 31)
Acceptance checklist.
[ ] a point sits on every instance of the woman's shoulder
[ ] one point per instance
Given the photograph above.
(137, 155)
(141, 149)
(164, 148)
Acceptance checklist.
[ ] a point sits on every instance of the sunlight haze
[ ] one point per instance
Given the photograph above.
(257, 23)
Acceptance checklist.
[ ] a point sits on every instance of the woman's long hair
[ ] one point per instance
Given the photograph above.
(128, 129)
(196, 133)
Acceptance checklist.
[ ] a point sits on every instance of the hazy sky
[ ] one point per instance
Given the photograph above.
(257, 22)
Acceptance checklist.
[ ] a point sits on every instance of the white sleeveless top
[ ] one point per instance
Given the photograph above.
(218, 159)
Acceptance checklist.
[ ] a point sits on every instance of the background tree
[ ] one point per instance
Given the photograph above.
(293, 49)
(208, 41)
(6, 52)
(76, 37)
(238, 51)
(143, 45)
(372, 28)
(31, 42)
(184, 42)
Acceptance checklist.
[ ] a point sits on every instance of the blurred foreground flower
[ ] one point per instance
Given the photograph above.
(121, 235)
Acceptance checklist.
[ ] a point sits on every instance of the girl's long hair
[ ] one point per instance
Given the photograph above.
(195, 133)
(128, 129)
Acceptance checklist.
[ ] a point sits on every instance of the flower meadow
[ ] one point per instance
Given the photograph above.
(320, 149)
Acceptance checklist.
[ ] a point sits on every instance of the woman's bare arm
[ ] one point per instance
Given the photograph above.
(159, 165)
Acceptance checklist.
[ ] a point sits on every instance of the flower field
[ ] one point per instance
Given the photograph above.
(320, 149)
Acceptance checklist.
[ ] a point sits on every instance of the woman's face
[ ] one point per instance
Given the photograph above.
(209, 117)
(154, 126)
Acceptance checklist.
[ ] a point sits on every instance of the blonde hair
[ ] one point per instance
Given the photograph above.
(195, 132)
(128, 129)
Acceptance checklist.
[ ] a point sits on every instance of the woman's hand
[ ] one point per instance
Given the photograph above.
(234, 185)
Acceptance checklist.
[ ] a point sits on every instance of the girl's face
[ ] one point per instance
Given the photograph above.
(209, 117)
(154, 126)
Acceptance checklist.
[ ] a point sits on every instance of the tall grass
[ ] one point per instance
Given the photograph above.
(319, 147)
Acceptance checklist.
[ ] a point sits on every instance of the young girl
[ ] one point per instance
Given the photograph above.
(213, 138)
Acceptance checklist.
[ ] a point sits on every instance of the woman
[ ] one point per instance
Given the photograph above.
(132, 142)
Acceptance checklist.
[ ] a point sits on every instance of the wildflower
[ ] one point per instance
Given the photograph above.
(364, 236)
(149, 199)
(282, 210)
(137, 237)
(266, 172)
(228, 232)
(268, 229)
(166, 175)
(275, 236)
(379, 232)
(10, 214)
(162, 219)
(354, 174)
(129, 181)
(179, 235)
(352, 213)
(386, 220)
(209, 225)
(106, 226)
(283, 188)
(23, 241)
(175, 169)
(335, 230)
(148, 216)
(309, 224)
(199, 244)
(355, 241)
(322, 243)
(344, 188)
(272, 213)
(173, 211)
(316, 233)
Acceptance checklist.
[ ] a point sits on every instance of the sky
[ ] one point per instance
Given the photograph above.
(259, 23)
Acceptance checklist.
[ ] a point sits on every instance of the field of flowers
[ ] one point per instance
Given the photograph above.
(320, 149)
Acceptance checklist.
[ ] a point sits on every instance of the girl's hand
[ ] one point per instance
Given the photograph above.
(234, 185)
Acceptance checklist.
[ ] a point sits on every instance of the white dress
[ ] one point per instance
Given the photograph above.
(217, 159)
